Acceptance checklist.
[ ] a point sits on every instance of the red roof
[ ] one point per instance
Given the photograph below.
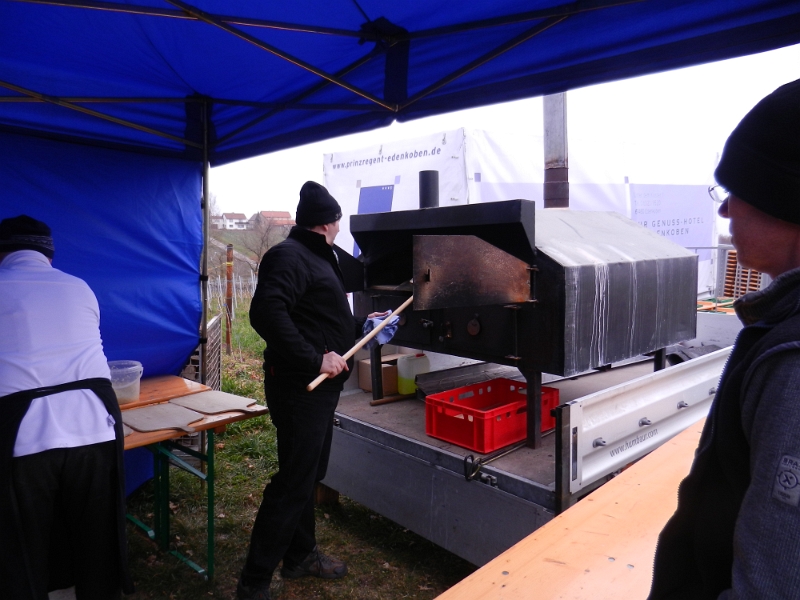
(278, 217)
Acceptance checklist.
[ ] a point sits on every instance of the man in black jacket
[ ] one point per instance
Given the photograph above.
(301, 310)
(736, 532)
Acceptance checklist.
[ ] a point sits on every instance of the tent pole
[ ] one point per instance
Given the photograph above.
(204, 262)
(82, 109)
(243, 35)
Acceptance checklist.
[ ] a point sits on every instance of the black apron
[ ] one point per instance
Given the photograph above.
(15, 572)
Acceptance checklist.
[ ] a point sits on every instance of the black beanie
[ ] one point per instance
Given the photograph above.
(25, 233)
(760, 163)
(316, 206)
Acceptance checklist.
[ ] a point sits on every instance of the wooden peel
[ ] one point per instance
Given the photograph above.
(323, 376)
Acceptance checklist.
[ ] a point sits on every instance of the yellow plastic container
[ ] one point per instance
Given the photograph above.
(408, 367)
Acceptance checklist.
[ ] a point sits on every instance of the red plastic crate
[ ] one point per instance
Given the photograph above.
(485, 416)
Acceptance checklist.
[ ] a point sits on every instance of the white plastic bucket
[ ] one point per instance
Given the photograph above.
(125, 378)
(408, 367)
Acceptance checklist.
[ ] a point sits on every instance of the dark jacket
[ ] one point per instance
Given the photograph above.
(14, 569)
(736, 532)
(301, 309)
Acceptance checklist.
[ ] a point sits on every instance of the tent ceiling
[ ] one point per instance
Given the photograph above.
(143, 75)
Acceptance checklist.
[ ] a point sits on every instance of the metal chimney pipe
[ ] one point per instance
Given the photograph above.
(428, 189)
(556, 155)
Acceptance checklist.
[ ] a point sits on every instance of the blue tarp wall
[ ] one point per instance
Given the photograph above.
(130, 225)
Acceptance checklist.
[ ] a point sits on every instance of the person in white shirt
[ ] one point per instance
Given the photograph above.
(61, 474)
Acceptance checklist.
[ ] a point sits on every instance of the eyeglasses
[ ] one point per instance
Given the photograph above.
(718, 193)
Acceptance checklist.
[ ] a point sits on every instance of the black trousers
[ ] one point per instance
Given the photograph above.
(284, 528)
(67, 506)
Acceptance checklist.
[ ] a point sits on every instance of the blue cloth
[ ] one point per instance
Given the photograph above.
(384, 335)
(130, 226)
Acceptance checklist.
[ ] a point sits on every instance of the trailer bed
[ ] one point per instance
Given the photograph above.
(382, 458)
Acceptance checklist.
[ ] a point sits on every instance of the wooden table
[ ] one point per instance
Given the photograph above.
(154, 390)
(163, 388)
(601, 548)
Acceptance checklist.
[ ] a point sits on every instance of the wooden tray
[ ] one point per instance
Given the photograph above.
(161, 416)
(213, 402)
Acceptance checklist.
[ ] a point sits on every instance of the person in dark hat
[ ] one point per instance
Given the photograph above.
(736, 531)
(301, 309)
(62, 503)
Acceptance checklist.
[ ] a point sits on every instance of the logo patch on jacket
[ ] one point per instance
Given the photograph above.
(787, 481)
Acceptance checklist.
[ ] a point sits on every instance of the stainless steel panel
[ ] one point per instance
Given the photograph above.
(453, 271)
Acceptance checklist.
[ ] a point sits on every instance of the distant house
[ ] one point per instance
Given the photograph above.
(216, 222)
(279, 218)
(233, 221)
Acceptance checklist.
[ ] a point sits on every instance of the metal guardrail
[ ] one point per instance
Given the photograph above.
(603, 432)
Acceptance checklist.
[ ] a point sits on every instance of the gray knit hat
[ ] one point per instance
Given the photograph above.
(760, 163)
(26, 233)
(316, 206)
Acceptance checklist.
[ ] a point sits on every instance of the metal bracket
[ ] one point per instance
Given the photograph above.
(472, 465)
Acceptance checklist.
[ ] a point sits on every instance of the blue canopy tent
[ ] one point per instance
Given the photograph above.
(147, 76)
(112, 112)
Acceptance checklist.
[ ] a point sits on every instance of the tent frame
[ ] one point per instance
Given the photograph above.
(552, 16)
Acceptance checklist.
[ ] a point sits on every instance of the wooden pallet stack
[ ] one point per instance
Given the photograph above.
(738, 280)
(720, 305)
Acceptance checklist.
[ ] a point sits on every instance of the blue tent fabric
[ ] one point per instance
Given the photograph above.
(127, 224)
(276, 75)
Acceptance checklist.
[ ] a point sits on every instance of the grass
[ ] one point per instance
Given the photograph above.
(234, 237)
(385, 561)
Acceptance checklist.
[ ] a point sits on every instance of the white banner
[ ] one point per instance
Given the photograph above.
(475, 166)
(385, 178)
(684, 214)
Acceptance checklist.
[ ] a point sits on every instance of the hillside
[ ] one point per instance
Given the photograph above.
(227, 236)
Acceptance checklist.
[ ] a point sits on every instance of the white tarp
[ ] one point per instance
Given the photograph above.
(477, 166)
(386, 177)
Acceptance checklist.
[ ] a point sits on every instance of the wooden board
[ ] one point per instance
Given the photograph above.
(214, 402)
(216, 422)
(600, 549)
(162, 388)
(161, 416)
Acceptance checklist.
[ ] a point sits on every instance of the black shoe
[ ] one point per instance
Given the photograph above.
(318, 565)
(252, 592)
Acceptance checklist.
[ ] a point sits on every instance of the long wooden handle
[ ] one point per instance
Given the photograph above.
(323, 376)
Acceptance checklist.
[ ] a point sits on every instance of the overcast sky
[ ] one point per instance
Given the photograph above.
(657, 126)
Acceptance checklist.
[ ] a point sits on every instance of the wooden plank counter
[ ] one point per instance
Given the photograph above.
(161, 388)
(601, 548)
(166, 387)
